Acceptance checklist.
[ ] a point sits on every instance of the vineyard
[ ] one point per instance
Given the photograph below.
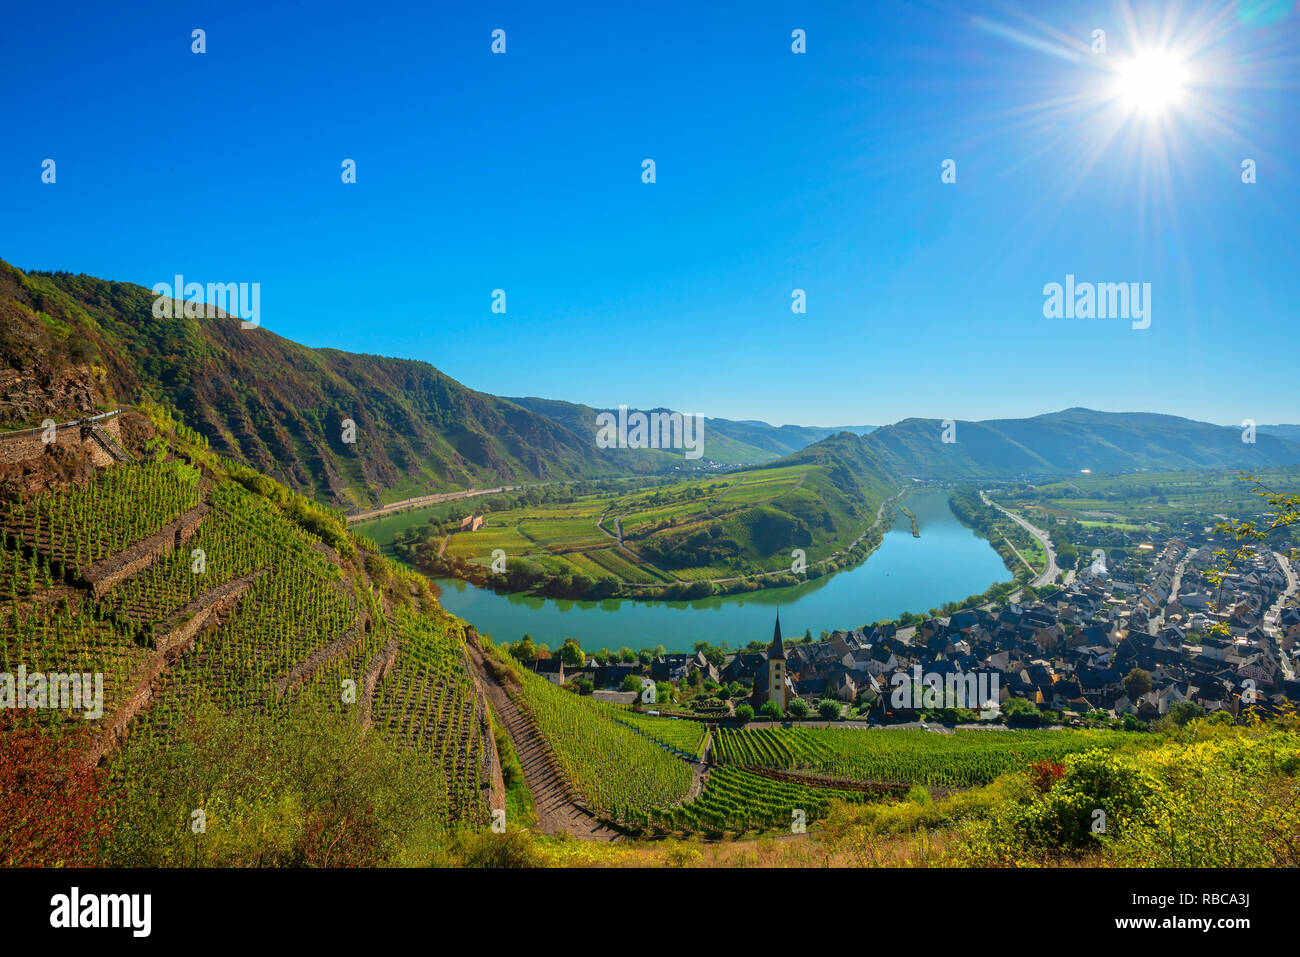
(685, 737)
(78, 526)
(253, 615)
(429, 702)
(738, 801)
(960, 759)
(618, 770)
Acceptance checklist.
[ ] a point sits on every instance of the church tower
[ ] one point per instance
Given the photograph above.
(776, 668)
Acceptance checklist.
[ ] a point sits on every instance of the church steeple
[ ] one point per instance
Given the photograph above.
(777, 648)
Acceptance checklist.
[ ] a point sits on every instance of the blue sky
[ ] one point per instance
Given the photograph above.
(775, 171)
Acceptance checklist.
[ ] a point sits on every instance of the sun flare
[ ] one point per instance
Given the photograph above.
(1151, 82)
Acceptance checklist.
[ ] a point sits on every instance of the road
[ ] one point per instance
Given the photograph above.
(1175, 586)
(1271, 616)
(1050, 573)
(429, 500)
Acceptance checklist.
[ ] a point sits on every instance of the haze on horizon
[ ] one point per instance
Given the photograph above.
(775, 171)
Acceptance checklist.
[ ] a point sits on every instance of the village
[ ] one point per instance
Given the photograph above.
(1101, 649)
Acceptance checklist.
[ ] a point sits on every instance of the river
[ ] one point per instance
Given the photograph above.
(946, 563)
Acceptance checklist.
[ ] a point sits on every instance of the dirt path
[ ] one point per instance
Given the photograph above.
(552, 795)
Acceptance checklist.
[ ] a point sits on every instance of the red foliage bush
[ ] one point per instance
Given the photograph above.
(1044, 774)
(52, 814)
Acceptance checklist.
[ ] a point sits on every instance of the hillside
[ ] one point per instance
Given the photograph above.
(251, 659)
(1068, 442)
(72, 343)
(727, 441)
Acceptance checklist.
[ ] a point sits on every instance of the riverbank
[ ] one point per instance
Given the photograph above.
(903, 575)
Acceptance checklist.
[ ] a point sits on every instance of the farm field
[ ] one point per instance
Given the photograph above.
(681, 735)
(698, 530)
(1145, 501)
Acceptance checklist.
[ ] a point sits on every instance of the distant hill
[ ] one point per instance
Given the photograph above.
(70, 343)
(1070, 441)
(728, 441)
(1289, 432)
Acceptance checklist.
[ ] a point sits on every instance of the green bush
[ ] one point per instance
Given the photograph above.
(828, 709)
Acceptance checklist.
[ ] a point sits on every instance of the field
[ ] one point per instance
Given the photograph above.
(1147, 501)
(697, 531)
(685, 737)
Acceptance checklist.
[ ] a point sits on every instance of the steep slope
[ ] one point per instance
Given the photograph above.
(71, 343)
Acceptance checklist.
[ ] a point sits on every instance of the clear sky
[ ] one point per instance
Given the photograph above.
(775, 171)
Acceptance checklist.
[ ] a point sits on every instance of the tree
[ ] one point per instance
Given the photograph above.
(1285, 515)
(799, 708)
(571, 653)
(828, 709)
(771, 711)
(745, 714)
(1137, 683)
(1182, 713)
(524, 650)
(626, 655)
(631, 683)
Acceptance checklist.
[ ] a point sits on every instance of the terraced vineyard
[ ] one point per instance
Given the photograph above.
(959, 759)
(23, 572)
(619, 771)
(429, 703)
(243, 533)
(737, 801)
(77, 526)
(71, 635)
(267, 622)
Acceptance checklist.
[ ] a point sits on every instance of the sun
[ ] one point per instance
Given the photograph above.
(1151, 81)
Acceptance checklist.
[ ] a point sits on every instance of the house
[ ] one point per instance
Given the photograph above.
(552, 669)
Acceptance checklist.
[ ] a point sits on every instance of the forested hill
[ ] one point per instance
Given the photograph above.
(71, 343)
(730, 441)
(1067, 442)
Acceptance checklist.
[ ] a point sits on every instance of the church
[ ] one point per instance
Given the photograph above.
(771, 683)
